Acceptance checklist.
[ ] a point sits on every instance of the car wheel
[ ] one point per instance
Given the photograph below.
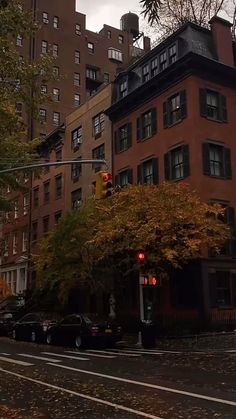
(49, 338)
(78, 342)
(33, 337)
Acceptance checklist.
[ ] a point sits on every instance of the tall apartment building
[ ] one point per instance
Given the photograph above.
(173, 116)
(84, 61)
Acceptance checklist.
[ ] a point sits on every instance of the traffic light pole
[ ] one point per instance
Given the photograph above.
(141, 308)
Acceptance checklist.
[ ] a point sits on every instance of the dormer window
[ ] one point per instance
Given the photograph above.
(145, 73)
(154, 67)
(163, 60)
(123, 88)
(172, 54)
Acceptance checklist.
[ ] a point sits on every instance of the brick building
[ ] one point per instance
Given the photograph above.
(173, 120)
(84, 61)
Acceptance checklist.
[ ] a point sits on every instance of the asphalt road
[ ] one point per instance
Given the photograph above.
(42, 382)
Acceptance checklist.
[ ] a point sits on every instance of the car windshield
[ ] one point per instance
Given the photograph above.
(49, 316)
(93, 318)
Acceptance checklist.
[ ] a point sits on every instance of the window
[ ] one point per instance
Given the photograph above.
(34, 230)
(46, 192)
(19, 41)
(91, 47)
(45, 17)
(58, 186)
(124, 178)
(36, 197)
(56, 94)
(213, 105)
(91, 73)
(14, 243)
(76, 198)
(147, 125)
(77, 57)
(221, 288)
(147, 172)
(76, 79)
(45, 224)
(121, 39)
(109, 34)
(57, 216)
(115, 54)
(154, 67)
(44, 47)
(98, 153)
(56, 118)
(123, 88)
(77, 29)
(56, 22)
(216, 160)
(42, 115)
(106, 78)
(16, 209)
(44, 89)
(123, 138)
(174, 109)
(177, 163)
(76, 100)
(58, 154)
(163, 60)
(6, 245)
(55, 50)
(19, 107)
(76, 170)
(25, 204)
(56, 70)
(172, 54)
(145, 73)
(98, 124)
(24, 240)
(76, 138)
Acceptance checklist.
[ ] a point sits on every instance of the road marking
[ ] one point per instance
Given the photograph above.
(138, 352)
(15, 361)
(112, 353)
(158, 351)
(83, 396)
(4, 353)
(84, 353)
(149, 385)
(230, 350)
(66, 356)
(42, 358)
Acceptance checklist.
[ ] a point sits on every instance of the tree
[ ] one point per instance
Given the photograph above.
(101, 239)
(20, 83)
(168, 15)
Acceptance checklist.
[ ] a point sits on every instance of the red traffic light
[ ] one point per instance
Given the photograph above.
(107, 177)
(141, 256)
(154, 281)
(145, 281)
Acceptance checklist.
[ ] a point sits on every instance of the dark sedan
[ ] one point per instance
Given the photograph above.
(33, 327)
(82, 330)
(6, 323)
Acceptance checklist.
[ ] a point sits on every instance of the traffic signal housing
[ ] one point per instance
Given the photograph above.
(104, 185)
(150, 280)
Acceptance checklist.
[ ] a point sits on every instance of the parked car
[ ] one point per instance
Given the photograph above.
(82, 330)
(6, 322)
(34, 326)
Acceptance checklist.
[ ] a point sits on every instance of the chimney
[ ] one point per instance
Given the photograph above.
(146, 43)
(222, 37)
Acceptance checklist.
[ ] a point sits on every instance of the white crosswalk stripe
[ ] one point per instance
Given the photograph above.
(66, 356)
(40, 358)
(86, 353)
(129, 351)
(115, 352)
(15, 361)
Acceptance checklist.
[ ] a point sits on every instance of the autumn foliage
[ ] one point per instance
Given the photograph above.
(169, 222)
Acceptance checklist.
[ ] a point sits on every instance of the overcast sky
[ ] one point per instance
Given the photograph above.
(109, 12)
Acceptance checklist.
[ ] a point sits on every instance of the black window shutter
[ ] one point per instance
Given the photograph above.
(117, 180)
(229, 213)
(212, 289)
(155, 171)
(139, 129)
(130, 176)
(154, 120)
(206, 159)
(167, 163)
(183, 104)
(140, 173)
(223, 108)
(129, 134)
(233, 279)
(202, 102)
(165, 115)
(227, 163)
(117, 141)
(186, 168)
